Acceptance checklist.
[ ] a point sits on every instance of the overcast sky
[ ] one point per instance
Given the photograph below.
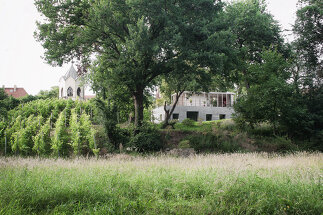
(20, 54)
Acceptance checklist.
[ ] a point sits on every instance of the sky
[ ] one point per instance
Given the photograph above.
(20, 54)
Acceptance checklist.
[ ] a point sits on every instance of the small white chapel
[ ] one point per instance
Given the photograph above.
(70, 86)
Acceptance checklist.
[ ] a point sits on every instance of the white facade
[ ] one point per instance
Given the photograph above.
(70, 86)
(199, 106)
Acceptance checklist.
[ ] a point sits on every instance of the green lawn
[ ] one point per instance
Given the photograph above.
(203, 184)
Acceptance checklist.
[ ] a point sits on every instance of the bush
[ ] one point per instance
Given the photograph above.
(148, 139)
(184, 144)
(213, 143)
(188, 122)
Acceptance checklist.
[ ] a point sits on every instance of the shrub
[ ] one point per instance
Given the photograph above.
(184, 144)
(60, 137)
(148, 139)
(213, 143)
(42, 139)
(188, 122)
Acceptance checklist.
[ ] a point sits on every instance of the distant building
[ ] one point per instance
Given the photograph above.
(70, 86)
(15, 91)
(199, 106)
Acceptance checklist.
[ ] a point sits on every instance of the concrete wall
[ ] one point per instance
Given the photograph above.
(159, 113)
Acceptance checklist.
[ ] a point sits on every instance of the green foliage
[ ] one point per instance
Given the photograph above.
(88, 134)
(42, 139)
(219, 142)
(60, 138)
(188, 122)
(308, 29)
(22, 141)
(135, 41)
(184, 144)
(213, 184)
(147, 139)
(75, 133)
(49, 94)
(28, 134)
(6, 103)
(254, 29)
(107, 113)
(270, 98)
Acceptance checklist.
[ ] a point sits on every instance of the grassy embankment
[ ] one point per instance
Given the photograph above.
(203, 184)
(226, 136)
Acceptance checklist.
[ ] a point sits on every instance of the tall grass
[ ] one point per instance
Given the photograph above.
(204, 184)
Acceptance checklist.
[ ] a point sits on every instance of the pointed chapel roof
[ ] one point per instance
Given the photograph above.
(71, 73)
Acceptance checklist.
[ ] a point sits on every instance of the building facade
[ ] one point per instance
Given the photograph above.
(70, 86)
(199, 107)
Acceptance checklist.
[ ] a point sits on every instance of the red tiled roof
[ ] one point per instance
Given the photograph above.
(20, 92)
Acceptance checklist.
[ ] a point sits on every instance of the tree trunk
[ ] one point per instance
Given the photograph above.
(246, 80)
(168, 113)
(139, 107)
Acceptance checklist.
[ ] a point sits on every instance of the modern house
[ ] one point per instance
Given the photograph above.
(15, 91)
(199, 106)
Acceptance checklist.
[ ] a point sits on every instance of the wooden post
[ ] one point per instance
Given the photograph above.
(94, 141)
(65, 117)
(51, 116)
(17, 144)
(42, 137)
(5, 143)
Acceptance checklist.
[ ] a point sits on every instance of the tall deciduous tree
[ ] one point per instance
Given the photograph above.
(308, 67)
(134, 41)
(254, 30)
(271, 98)
(308, 29)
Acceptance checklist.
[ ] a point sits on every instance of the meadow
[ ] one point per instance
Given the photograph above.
(238, 183)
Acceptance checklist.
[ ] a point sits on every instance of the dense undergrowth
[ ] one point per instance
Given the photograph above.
(212, 184)
(67, 128)
(227, 136)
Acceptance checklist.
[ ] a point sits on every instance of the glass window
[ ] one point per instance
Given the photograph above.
(70, 91)
(175, 115)
(78, 92)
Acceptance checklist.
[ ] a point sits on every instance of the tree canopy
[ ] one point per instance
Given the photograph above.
(254, 30)
(132, 41)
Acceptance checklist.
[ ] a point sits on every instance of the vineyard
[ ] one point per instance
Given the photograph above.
(49, 127)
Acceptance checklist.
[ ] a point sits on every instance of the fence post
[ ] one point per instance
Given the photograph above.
(17, 144)
(51, 116)
(5, 143)
(94, 141)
